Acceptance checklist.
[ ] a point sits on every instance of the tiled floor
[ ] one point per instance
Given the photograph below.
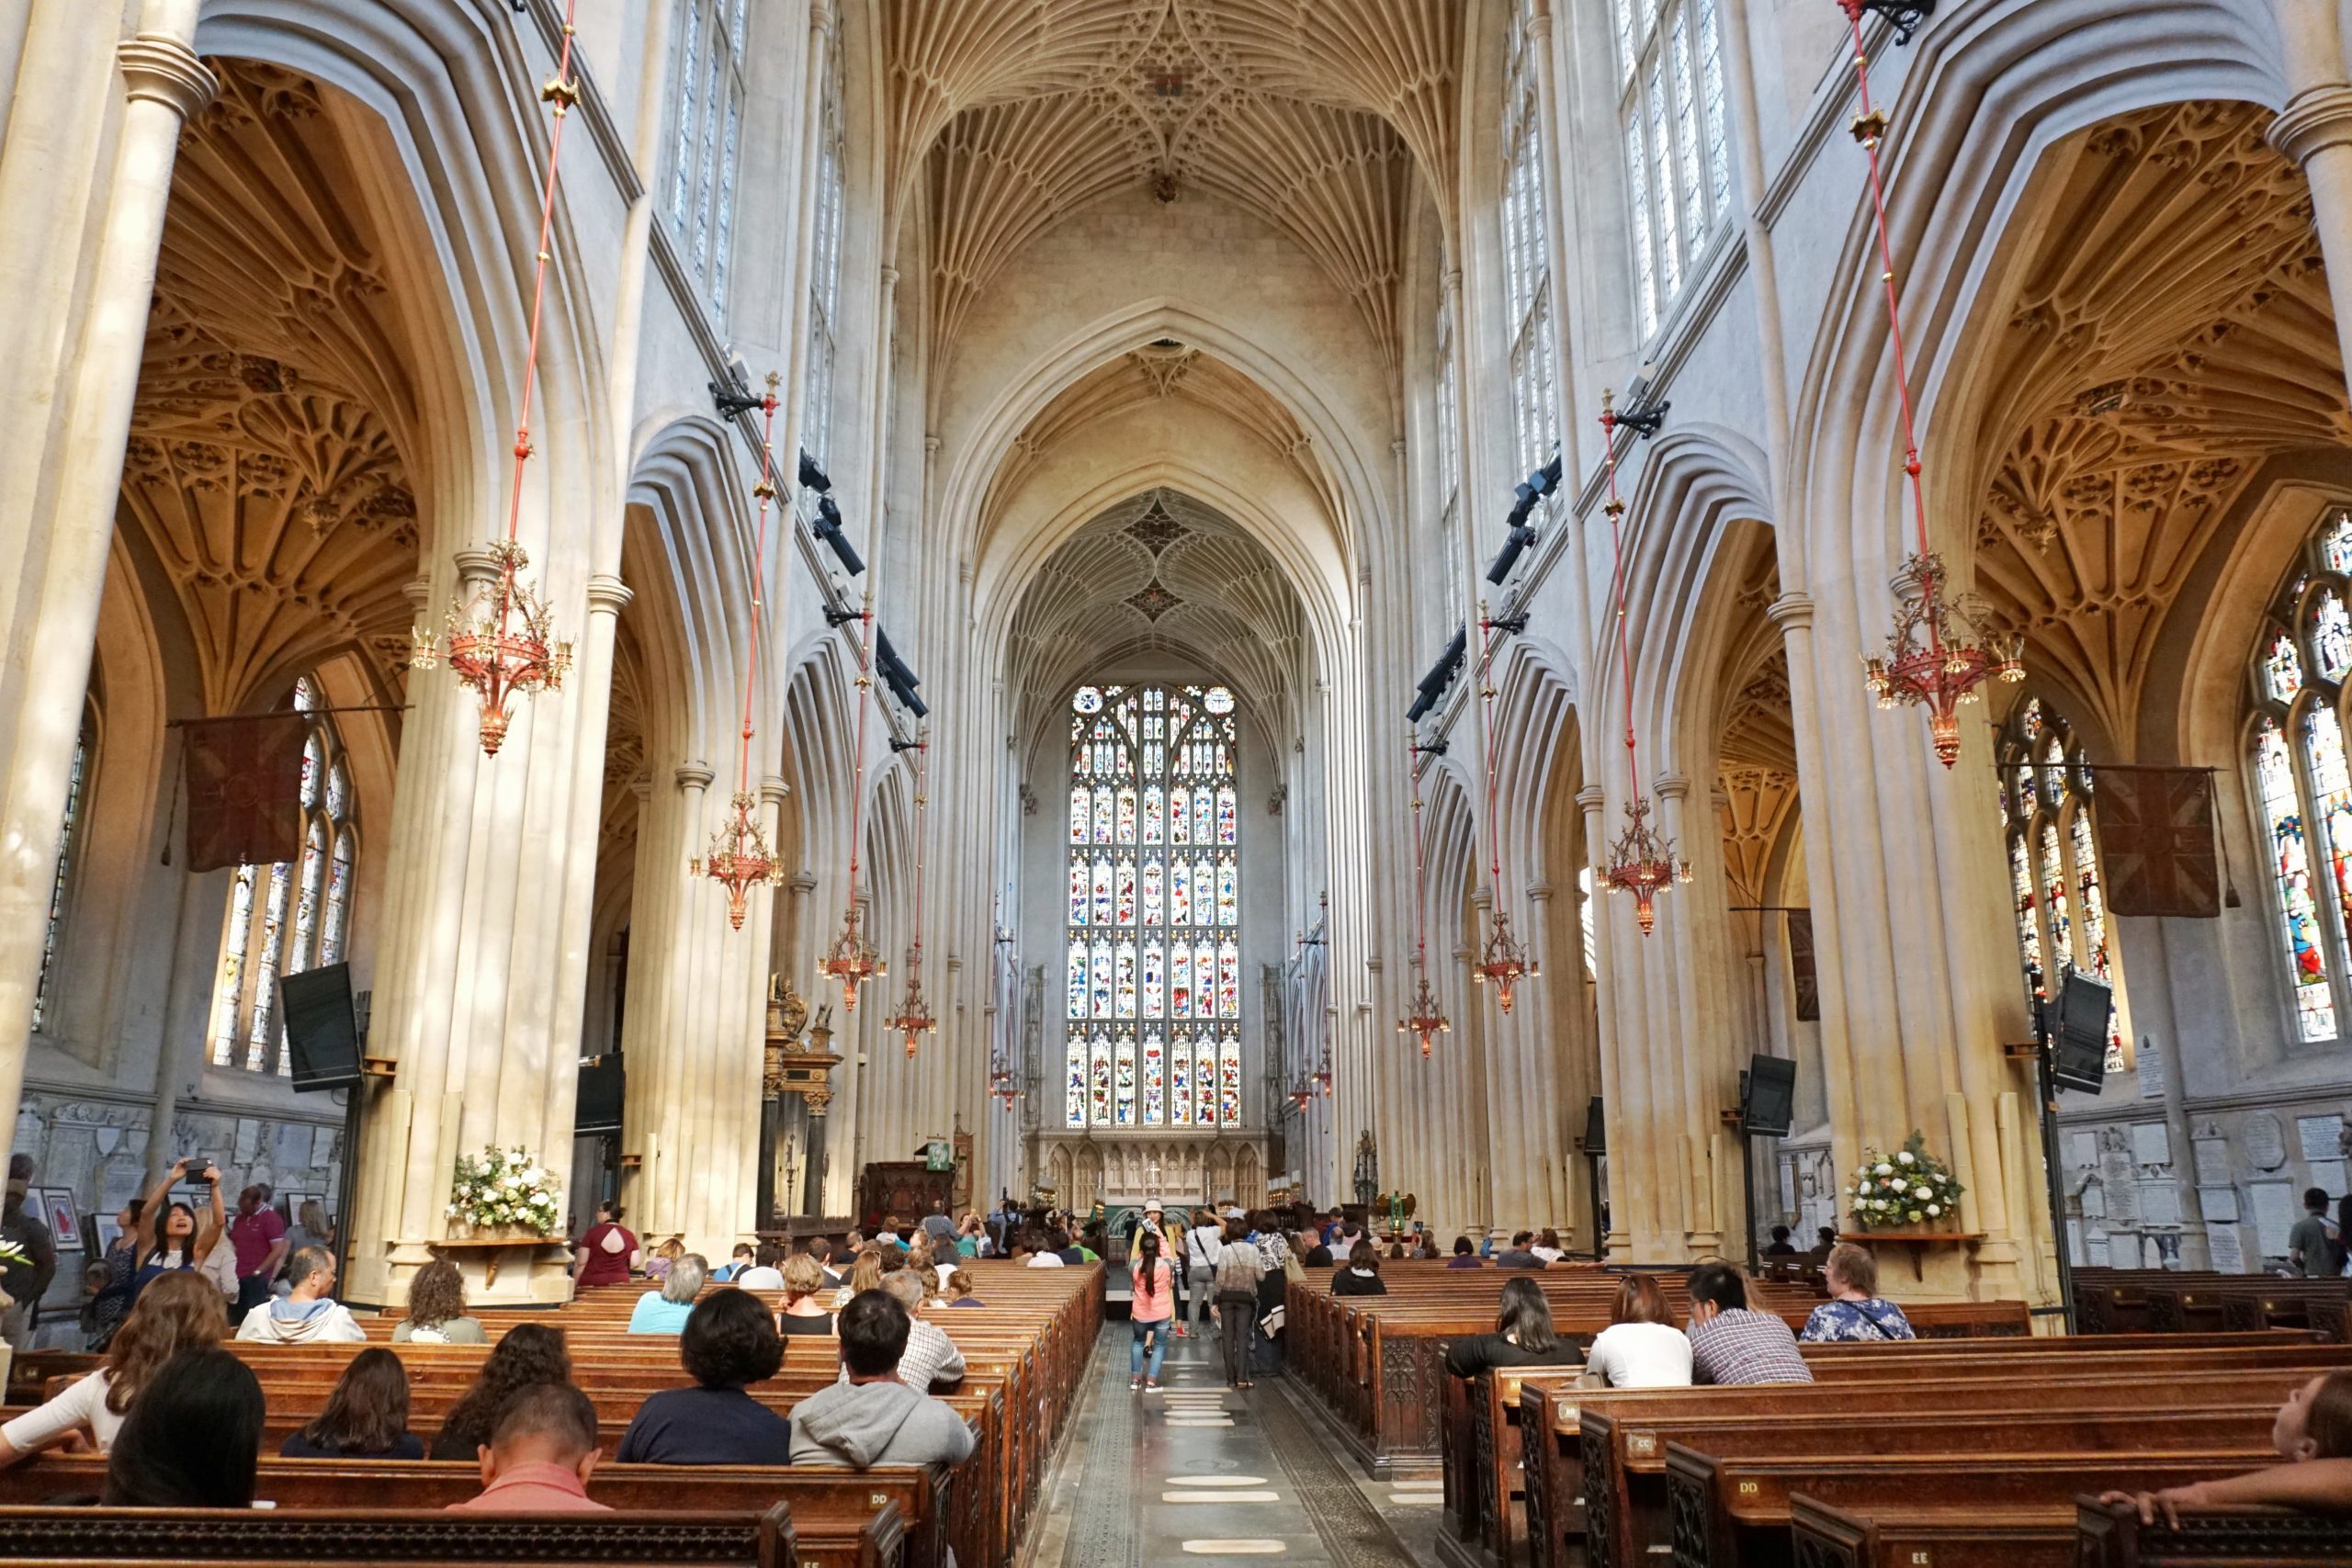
(1150, 1480)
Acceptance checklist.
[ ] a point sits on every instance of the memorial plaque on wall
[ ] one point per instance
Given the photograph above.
(2265, 1141)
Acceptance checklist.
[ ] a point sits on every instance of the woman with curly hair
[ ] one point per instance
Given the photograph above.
(531, 1353)
(176, 1312)
(728, 1341)
(436, 1310)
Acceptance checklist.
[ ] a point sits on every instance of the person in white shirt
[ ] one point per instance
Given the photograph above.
(306, 1314)
(181, 1310)
(1641, 1347)
(766, 1272)
(1031, 1252)
(1547, 1247)
(1202, 1241)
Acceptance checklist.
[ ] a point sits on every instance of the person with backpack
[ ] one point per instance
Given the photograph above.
(1152, 1309)
(2315, 1246)
(1239, 1272)
(1202, 1241)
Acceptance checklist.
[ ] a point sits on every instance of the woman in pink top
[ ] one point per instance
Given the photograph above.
(1155, 1303)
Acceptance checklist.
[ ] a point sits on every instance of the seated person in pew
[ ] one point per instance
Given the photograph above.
(864, 1274)
(1855, 1310)
(1548, 1249)
(539, 1459)
(307, 1314)
(1030, 1251)
(1641, 1347)
(2313, 1434)
(1313, 1251)
(1524, 1336)
(1781, 1245)
(766, 1272)
(1517, 1255)
(803, 1313)
(1361, 1276)
(175, 1312)
(665, 1311)
(606, 1252)
(930, 1356)
(1731, 1345)
(872, 1417)
(436, 1309)
(821, 1250)
(730, 1341)
(1464, 1254)
(530, 1354)
(1824, 1242)
(959, 1290)
(735, 1267)
(193, 1439)
(365, 1417)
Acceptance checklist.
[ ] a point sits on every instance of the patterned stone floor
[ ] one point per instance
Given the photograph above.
(1199, 1472)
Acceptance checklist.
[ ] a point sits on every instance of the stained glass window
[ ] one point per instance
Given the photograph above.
(60, 877)
(2055, 889)
(287, 918)
(2335, 544)
(2290, 867)
(707, 72)
(2282, 670)
(1154, 878)
(2331, 637)
(1678, 152)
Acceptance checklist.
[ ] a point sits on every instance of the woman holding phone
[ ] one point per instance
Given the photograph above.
(179, 1242)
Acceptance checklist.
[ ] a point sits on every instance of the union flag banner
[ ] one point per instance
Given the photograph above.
(2155, 835)
(244, 788)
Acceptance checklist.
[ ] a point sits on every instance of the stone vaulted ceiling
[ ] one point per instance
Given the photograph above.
(262, 470)
(1158, 579)
(2173, 329)
(1310, 113)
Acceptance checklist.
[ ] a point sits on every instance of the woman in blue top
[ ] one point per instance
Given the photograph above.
(1854, 1310)
(665, 1311)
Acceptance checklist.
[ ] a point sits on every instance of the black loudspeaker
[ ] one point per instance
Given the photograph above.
(2079, 1033)
(598, 1107)
(1771, 1096)
(1595, 1129)
(321, 1028)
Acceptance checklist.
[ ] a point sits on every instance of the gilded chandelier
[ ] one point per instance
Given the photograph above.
(739, 858)
(914, 1019)
(1642, 861)
(852, 959)
(1425, 1018)
(502, 642)
(1942, 650)
(1503, 961)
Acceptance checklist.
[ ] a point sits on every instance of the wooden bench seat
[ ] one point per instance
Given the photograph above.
(2107, 1537)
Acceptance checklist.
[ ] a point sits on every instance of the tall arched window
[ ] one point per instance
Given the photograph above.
(1527, 258)
(2047, 813)
(2302, 785)
(1154, 1013)
(61, 878)
(824, 275)
(1449, 462)
(290, 917)
(1677, 159)
(707, 77)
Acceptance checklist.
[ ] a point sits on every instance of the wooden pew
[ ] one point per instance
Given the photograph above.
(2114, 1538)
(1946, 1535)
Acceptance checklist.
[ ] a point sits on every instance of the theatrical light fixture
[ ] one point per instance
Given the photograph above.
(1440, 677)
(813, 477)
(502, 641)
(1640, 415)
(737, 399)
(1522, 535)
(1904, 16)
(828, 527)
(1641, 862)
(914, 1019)
(1943, 648)
(739, 858)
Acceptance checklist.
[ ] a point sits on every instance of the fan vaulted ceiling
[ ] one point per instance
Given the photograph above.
(1310, 113)
(1160, 581)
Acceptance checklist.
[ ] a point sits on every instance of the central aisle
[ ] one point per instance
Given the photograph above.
(1197, 1470)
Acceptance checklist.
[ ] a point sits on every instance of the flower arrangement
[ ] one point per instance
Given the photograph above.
(504, 1187)
(1910, 1187)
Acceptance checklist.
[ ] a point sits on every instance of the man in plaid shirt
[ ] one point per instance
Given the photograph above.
(1729, 1344)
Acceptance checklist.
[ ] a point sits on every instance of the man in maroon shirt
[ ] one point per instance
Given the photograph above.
(259, 1234)
(540, 1456)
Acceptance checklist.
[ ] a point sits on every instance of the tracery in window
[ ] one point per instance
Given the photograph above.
(290, 917)
(708, 128)
(1448, 461)
(1677, 157)
(2055, 886)
(1527, 274)
(824, 276)
(60, 877)
(1154, 996)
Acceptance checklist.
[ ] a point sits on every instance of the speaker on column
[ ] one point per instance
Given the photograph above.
(322, 1027)
(1769, 1098)
(1595, 1129)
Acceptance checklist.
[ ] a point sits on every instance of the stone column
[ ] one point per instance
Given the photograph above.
(1617, 1240)
(2315, 131)
(75, 332)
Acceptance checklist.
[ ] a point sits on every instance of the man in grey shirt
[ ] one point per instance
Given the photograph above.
(2315, 1247)
(874, 1418)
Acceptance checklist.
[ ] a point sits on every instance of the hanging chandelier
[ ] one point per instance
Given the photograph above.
(1503, 961)
(1002, 1084)
(914, 1019)
(852, 959)
(1425, 1018)
(1642, 861)
(502, 642)
(738, 859)
(1943, 649)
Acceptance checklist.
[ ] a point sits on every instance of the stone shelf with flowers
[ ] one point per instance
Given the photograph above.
(1909, 1197)
(503, 1201)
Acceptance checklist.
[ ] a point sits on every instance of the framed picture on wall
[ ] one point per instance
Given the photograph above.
(63, 1217)
(104, 1231)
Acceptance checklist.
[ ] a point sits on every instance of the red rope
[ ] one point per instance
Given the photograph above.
(922, 751)
(1486, 696)
(1617, 592)
(539, 284)
(759, 581)
(857, 763)
(1420, 882)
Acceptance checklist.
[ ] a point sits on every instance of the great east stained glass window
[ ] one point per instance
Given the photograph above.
(290, 917)
(1153, 1005)
(2299, 780)
(2047, 812)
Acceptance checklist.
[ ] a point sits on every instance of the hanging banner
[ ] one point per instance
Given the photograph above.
(1808, 984)
(244, 788)
(2155, 837)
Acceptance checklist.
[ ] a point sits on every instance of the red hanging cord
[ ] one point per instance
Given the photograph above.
(564, 92)
(857, 763)
(1487, 697)
(1617, 594)
(766, 493)
(1420, 881)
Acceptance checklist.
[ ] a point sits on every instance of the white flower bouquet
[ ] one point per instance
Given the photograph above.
(504, 1188)
(1910, 1187)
